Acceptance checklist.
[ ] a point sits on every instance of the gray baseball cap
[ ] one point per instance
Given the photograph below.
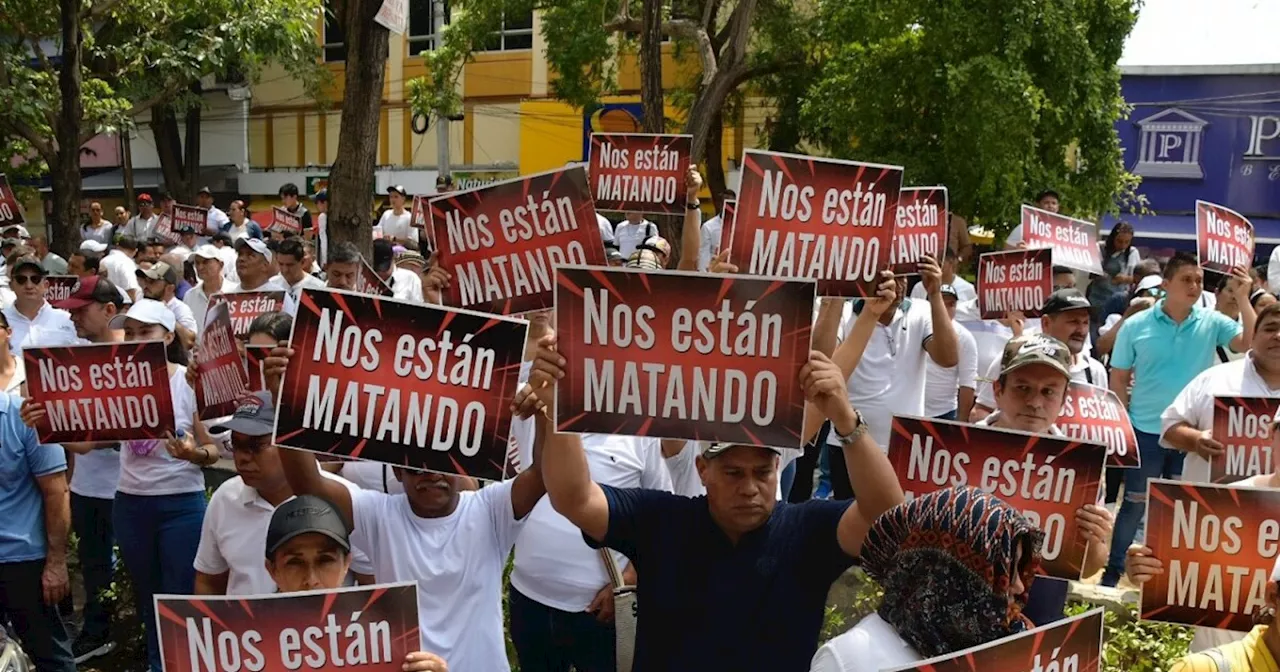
(715, 449)
(255, 416)
(302, 515)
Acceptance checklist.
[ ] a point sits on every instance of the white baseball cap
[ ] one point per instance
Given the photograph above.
(206, 251)
(93, 247)
(147, 311)
(1149, 282)
(256, 245)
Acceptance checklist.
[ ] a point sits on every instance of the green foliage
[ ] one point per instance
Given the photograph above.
(989, 97)
(1130, 645)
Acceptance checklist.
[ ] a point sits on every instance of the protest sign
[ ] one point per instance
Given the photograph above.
(164, 229)
(677, 355)
(245, 307)
(405, 384)
(10, 209)
(635, 172)
(728, 217)
(61, 287)
(1243, 426)
(821, 219)
(189, 219)
(1074, 241)
(101, 392)
(1018, 280)
(223, 380)
(919, 229)
(255, 357)
(1224, 238)
(360, 629)
(1046, 478)
(1067, 645)
(1095, 415)
(284, 221)
(501, 242)
(418, 215)
(1218, 544)
(368, 282)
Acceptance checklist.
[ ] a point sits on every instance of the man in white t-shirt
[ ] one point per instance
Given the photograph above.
(293, 257)
(396, 224)
(631, 233)
(255, 268)
(964, 289)
(209, 270)
(454, 543)
(229, 559)
(949, 391)
(143, 224)
(405, 284)
(561, 599)
(1187, 425)
(1066, 318)
(121, 270)
(32, 321)
(711, 230)
(889, 378)
(160, 283)
(216, 218)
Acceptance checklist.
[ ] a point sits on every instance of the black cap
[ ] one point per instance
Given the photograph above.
(1064, 300)
(397, 189)
(28, 260)
(302, 515)
(205, 190)
(383, 254)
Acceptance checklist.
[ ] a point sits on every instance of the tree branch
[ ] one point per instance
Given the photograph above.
(94, 12)
(141, 106)
(42, 145)
(683, 28)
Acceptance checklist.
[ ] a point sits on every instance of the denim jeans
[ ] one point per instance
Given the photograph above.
(1157, 462)
(158, 540)
(949, 415)
(549, 640)
(91, 520)
(39, 626)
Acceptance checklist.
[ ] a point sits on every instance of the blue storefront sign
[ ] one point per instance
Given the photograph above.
(1213, 137)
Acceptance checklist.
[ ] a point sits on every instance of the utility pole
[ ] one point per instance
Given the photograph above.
(442, 120)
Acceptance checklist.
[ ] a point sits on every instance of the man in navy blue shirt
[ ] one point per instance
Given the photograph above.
(734, 580)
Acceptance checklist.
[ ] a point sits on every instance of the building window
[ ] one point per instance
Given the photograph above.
(516, 33)
(422, 25)
(335, 48)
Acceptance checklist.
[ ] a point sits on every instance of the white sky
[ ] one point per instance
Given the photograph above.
(1205, 32)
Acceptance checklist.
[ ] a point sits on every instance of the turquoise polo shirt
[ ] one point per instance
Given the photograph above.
(23, 459)
(1164, 356)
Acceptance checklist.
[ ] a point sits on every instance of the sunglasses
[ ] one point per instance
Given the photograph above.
(28, 279)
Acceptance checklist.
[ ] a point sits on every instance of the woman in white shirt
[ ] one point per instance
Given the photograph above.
(955, 565)
(13, 374)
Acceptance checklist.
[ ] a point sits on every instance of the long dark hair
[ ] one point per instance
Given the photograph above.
(1120, 227)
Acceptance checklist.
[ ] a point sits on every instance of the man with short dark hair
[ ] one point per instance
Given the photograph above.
(343, 269)
(396, 224)
(121, 269)
(405, 284)
(160, 283)
(1160, 350)
(1047, 200)
(53, 264)
(216, 219)
(1063, 278)
(289, 197)
(293, 261)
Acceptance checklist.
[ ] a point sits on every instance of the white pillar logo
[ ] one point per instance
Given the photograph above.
(1169, 145)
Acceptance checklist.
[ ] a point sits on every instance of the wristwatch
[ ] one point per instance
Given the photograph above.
(859, 428)
(694, 204)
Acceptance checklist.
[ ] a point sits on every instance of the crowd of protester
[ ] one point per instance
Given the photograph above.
(732, 549)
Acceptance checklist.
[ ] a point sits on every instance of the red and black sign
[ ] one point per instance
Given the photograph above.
(410, 385)
(222, 380)
(1095, 414)
(164, 228)
(1218, 544)
(255, 357)
(683, 355)
(361, 629)
(1243, 425)
(61, 287)
(1073, 644)
(1048, 479)
(101, 392)
(1018, 280)
(245, 307)
(1224, 238)
(419, 214)
(634, 172)
(503, 241)
(1074, 241)
(368, 282)
(10, 209)
(820, 219)
(189, 219)
(728, 217)
(283, 221)
(920, 228)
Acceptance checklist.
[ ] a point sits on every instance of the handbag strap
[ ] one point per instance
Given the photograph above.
(611, 568)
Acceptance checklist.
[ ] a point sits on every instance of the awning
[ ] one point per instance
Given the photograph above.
(113, 180)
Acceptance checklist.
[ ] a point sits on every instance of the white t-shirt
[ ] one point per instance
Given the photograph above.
(1194, 405)
(870, 646)
(274, 283)
(391, 225)
(890, 377)
(553, 565)
(942, 384)
(1084, 369)
(457, 561)
(97, 473)
(308, 281)
(606, 229)
(990, 336)
(215, 220)
(198, 302)
(965, 292)
(147, 468)
(235, 232)
(228, 256)
(185, 317)
(406, 285)
(51, 327)
(629, 236)
(233, 538)
(140, 227)
(122, 272)
(710, 246)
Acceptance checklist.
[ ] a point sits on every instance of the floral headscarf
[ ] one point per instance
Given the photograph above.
(945, 561)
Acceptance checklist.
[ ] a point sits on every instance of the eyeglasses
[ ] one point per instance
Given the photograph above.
(28, 279)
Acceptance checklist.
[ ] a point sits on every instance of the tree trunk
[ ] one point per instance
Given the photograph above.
(164, 130)
(65, 166)
(654, 115)
(351, 178)
(715, 160)
(192, 149)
